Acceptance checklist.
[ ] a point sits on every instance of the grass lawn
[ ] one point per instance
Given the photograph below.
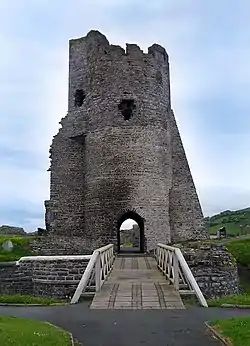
(24, 332)
(237, 299)
(27, 299)
(244, 276)
(240, 249)
(128, 244)
(20, 247)
(235, 330)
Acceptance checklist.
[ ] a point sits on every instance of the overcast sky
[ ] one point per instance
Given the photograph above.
(208, 46)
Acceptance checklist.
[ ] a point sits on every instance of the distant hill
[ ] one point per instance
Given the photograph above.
(13, 230)
(236, 222)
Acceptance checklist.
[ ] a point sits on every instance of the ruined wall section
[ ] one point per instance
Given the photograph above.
(78, 67)
(64, 214)
(67, 186)
(127, 162)
(186, 217)
(214, 268)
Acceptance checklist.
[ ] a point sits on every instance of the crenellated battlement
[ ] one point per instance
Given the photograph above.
(96, 41)
(97, 67)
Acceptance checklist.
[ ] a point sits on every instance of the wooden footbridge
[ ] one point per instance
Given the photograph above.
(138, 282)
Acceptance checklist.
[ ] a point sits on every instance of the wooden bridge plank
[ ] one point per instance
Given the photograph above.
(136, 283)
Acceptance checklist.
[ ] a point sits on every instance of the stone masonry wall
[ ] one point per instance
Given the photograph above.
(213, 267)
(67, 169)
(59, 245)
(15, 279)
(186, 217)
(105, 163)
(56, 278)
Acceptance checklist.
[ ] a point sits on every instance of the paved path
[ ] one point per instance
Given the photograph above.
(137, 283)
(128, 327)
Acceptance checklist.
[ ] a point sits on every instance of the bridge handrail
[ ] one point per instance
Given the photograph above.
(98, 268)
(172, 263)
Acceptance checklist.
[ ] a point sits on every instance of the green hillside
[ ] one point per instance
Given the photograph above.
(236, 222)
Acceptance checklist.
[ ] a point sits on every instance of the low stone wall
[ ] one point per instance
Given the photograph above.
(213, 267)
(56, 277)
(15, 279)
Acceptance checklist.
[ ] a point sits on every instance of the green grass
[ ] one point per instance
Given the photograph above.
(237, 299)
(244, 276)
(240, 249)
(27, 299)
(236, 330)
(24, 332)
(20, 247)
(244, 284)
(127, 244)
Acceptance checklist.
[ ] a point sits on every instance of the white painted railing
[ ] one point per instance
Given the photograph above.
(174, 266)
(98, 268)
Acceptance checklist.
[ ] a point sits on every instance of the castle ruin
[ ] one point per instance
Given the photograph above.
(119, 154)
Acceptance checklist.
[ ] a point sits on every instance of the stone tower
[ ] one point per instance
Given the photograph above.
(119, 154)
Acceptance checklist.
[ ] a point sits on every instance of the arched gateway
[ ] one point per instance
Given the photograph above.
(140, 246)
(119, 148)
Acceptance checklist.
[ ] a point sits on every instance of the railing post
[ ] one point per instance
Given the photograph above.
(179, 270)
(176, 271)
(98, 273)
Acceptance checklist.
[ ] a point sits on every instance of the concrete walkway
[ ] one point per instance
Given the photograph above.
(137, 283)
(128, 327)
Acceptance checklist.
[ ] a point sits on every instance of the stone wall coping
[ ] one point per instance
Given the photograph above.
(238, 306)
(56, 282)
(54, 258)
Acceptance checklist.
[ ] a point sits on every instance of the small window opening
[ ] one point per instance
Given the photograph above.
(126, 107)
(159, 77)
(79, 97)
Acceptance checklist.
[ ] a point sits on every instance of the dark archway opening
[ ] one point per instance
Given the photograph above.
(130, 237)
